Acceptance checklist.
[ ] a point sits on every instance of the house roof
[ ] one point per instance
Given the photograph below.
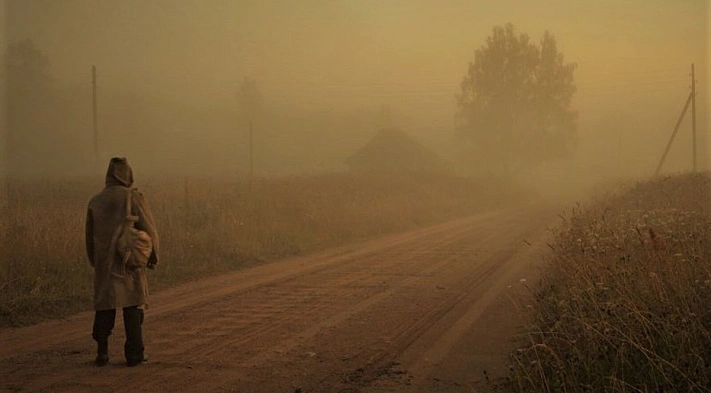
(394, 150)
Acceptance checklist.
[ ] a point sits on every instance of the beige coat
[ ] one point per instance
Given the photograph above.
(115, 287)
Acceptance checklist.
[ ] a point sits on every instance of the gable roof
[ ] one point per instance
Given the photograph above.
(392, 150)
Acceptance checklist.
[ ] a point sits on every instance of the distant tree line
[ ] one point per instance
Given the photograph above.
(514, 112)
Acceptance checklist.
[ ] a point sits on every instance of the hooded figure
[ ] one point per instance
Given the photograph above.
(114, 285)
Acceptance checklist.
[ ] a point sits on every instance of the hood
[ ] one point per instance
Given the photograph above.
(119, 173)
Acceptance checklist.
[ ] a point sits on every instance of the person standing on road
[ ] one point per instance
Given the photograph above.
(115, 285)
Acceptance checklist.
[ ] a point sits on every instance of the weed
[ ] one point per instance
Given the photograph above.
(210, 226)
(623, 305)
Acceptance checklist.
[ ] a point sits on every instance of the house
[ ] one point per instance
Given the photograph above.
(393, 151)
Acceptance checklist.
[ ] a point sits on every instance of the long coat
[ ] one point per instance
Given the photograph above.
(114, 285)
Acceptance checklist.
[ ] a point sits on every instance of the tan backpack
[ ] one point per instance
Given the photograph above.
(134, 246)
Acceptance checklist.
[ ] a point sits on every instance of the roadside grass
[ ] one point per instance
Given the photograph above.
(211, 226)
(624, 304)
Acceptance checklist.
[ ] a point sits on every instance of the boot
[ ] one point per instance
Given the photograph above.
(103, 324)
(102, 353)
(133, 348)
(132, 362)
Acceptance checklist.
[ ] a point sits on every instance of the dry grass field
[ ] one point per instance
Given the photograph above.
(210, 226)
(623, 305)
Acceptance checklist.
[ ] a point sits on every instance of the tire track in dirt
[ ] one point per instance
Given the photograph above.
(202, 341)
(446, 333)
(332, 296)
(328, 322)
(373, 359)
(18, 341)
(409, 331)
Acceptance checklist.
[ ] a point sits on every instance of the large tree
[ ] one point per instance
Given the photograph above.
(515, 103)
(28, 70)
(29, 100)
(250, 99)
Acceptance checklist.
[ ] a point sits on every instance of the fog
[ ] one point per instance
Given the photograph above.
(332, 73)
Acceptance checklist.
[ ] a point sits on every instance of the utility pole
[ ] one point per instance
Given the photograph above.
(693, 114)
(619, 152)
(691, 100)
(96, 128)
(250, 102)
(671, 140)
(251, 153)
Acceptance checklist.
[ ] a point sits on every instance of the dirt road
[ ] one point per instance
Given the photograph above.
(424, 311)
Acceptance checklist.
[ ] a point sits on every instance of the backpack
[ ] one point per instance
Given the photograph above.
(134, 246)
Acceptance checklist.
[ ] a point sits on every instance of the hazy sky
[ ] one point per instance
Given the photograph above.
(409, 54)
(381, 50)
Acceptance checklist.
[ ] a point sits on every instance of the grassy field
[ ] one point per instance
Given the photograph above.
(210, 226)
(624, 304)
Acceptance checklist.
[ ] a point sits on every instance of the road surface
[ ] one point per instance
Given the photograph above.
(431, 310)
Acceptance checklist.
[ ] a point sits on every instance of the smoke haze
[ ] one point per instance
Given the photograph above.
(332, 74)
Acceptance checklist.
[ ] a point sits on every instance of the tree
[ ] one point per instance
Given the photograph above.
(29, 78)
(27, 67)
(250, 99)
(29, 99)
(515, 102)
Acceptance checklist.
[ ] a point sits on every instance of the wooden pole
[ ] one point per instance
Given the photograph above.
(251, 152)
(187, 197)
(94, 105)
(676, 128)
(619, 153)
(693, 114)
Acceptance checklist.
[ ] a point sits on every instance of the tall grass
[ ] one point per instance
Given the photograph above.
(210, 226)
(625, 302)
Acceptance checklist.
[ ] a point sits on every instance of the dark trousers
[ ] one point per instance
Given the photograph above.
(132, 322)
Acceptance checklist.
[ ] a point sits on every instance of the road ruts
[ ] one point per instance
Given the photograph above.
(375, 316)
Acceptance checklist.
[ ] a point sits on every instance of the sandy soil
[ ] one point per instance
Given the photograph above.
(430, 310)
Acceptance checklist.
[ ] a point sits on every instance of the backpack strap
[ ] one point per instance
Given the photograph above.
(122, 230)
(129, 201)
(129, 206)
